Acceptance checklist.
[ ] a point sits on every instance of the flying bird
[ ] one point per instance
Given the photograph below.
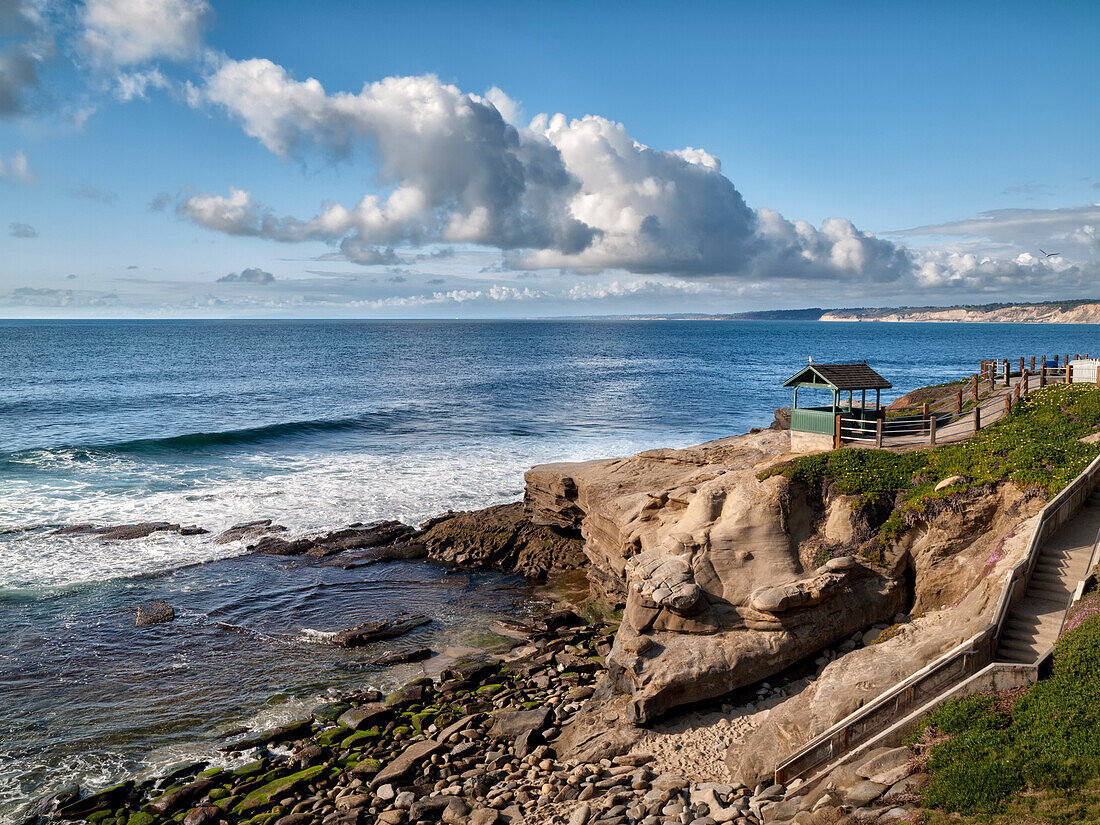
(1049, 254)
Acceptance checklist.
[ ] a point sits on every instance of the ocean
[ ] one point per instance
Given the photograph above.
(319, 424)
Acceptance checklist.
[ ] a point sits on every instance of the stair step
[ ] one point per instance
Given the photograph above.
(1052, 580)
(1025, 636)
(1052, 560)
(1028, 630)
(1049, 572)
(1014, 645)
(1048, 594)
(1018, 657)
(1022, 654)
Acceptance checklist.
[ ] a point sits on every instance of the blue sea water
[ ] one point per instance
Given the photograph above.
(317, 425)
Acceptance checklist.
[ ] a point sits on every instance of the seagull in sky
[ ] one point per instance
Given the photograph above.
(1049, 254)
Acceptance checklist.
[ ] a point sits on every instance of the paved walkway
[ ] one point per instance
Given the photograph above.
(1034, 624)
(962, 428)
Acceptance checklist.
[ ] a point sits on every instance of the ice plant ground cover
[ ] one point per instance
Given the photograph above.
(1037, 447)
(1023, 757)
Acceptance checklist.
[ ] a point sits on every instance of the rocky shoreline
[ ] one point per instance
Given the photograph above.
(749, 612)
(482, 745)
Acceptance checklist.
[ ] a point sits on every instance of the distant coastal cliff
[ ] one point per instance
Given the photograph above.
(1072, 312)
(1079, 311)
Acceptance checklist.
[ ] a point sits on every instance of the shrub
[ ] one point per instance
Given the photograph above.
(1048, 740)
(1037, 447)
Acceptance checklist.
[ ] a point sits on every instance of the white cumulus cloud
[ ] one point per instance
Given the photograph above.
(581, 194)
(128, 32)
(17, 168)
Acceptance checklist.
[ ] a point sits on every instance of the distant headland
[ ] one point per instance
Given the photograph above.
(1079, 311)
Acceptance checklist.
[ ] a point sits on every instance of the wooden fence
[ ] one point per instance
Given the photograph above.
(977, 397)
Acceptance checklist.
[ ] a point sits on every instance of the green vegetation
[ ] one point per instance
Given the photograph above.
(1031, 757)
(1036, 447)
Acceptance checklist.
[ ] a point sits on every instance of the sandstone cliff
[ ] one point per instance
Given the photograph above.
(714, 567)
(727, 579)
(1084, 313)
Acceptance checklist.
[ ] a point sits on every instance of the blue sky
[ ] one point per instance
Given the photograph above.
(855, 154)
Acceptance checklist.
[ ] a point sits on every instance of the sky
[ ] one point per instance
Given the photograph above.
(201, 158)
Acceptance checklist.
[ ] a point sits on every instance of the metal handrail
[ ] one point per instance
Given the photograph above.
(1004, 605)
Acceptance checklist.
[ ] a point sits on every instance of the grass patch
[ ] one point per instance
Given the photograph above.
(1039, 753)
(1036, 447)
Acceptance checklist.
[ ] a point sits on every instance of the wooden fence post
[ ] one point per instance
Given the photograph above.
(977, 417)
(1033, 363)
(1021, 365)
(836, 434)
(1008, 403)
(974, 386)
(1043, 373)
(1007, 382)
(1098, 374)
(959, 400)
(932, 431)
(924, 413)
(878, 432)
(1069, 372)
(1023, 381)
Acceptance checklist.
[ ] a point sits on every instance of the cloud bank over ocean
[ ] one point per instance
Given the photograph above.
(579, 203)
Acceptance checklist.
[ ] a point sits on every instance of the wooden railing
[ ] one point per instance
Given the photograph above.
(975, 399)
(953, 667)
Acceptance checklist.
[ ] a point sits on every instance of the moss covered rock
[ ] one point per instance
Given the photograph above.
(266, 794)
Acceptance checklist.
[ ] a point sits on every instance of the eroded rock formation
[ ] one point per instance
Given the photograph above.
(502, 537)
(726, 579)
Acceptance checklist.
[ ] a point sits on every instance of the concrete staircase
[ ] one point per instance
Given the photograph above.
(1033, 626)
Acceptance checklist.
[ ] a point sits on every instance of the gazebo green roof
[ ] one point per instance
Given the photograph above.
(838, 377)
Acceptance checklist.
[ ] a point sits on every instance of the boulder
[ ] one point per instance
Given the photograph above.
(156, 612)
(400, 767)
(248, 531)
(365, 716)
(375, 631)
(888, 767)
(377, 535)
(409, 654)
(485, 816)
(127, 532)
(277, 734)
(278, 788)
(504, 538)
(203, 815)
(46, 806)
(174, 800)
(510, 724)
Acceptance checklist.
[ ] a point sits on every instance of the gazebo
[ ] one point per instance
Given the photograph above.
(815, 427)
